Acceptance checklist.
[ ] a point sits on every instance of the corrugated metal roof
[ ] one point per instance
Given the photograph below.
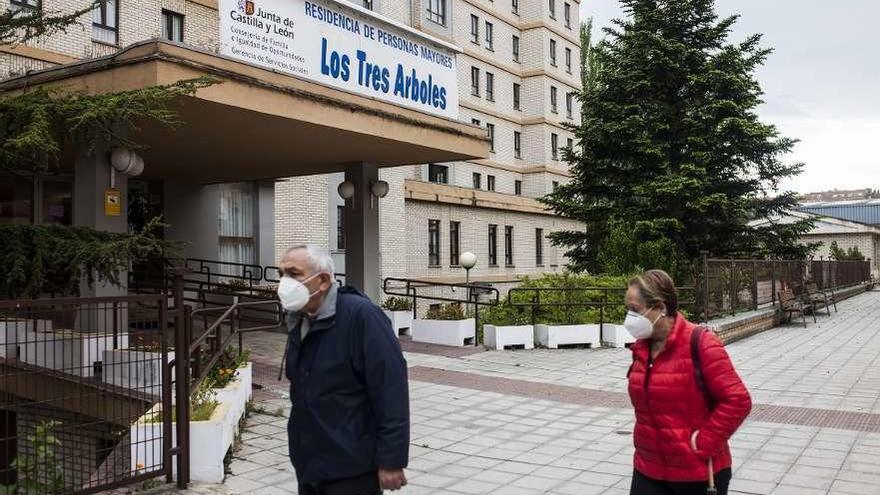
(863, 211)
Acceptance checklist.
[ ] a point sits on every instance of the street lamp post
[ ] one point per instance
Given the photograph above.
(468, 260)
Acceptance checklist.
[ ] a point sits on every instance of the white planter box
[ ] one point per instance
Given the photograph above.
(15, 333)
(401, 321)
(70, 352)
(209, 440)
(456, 333)
(616, 336)
(138, 370)
(500, 337)
(552, 336)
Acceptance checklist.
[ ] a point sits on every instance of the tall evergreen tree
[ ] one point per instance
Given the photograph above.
(671, 143)
(589, 62)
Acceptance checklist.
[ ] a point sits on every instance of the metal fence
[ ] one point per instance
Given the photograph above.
(78, 385)
(731, 286)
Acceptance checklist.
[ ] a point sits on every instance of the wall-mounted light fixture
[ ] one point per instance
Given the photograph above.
(346, 190)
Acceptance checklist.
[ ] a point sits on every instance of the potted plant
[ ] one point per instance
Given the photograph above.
(399, 311)
(507, 326)
(445, 325)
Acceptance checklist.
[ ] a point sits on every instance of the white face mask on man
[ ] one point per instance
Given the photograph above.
(294, 294)
(639, 326)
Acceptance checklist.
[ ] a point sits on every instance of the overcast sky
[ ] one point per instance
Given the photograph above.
(822, 83)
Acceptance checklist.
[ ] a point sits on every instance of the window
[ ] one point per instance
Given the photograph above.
(508, 245)
(568, 15)
(517, 187)
(555, 185)
(515, 41)
(454, 228)
(490, 86)
(340, 228)
(16, 199)
(553, 99)
(478, 181)
(438, 174)
(475, 29)
(490, 182)
(554, 146)
(491, 128)
(568, 60)
(569, 104)
(514, 6)
(172, 26)
(433, 242)
(437, 11)
(105, 19)
(56, 195)
(368, 4)
(539, 247)
(475, 81)
(493, 245)
(517, 144)
(569, 143)
(490, 36)
(553, 53)
(475, 122)
(237, 218)
(25, 6)
(553, 9)
(516, 96)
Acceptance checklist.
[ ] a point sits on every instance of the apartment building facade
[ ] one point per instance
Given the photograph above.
(517, 72)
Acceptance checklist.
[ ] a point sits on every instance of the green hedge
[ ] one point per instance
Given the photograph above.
(511, 314)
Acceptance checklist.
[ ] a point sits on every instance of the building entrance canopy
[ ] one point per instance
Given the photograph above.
(258, 123)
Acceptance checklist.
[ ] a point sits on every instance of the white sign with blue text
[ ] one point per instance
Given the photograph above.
(340, 47)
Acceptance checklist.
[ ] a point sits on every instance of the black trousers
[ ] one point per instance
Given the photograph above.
(642, 485)
(365, 484)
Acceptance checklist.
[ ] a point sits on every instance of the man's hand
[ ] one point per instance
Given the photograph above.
(391, 479)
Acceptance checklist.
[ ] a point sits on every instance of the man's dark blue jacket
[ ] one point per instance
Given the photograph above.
(348, 385)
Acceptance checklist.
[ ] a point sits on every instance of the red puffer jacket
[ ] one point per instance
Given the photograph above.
(670, 406)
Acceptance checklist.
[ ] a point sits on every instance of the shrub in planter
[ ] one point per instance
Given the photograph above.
(446, 312)
(224, 371)
(507, 325)
(397, 304)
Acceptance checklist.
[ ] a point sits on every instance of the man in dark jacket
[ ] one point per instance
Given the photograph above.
(349, 428)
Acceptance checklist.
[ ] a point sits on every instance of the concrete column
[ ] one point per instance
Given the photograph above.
(91, 179)
(362, 260)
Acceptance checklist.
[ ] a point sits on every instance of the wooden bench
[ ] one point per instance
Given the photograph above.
(790, 304)
(817, 297)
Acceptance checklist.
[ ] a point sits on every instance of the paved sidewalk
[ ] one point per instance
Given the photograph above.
(557, 422)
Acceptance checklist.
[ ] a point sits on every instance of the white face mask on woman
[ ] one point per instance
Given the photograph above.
(639, 326)
(294, 294)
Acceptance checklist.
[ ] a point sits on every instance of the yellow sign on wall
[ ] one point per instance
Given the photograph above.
(112, 202)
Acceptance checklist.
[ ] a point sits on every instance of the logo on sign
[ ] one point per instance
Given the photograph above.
(246, 6)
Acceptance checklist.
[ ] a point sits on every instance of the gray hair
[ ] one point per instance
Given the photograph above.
(320, 259)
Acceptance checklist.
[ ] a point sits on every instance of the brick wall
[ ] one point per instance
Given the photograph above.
(868, 244)
(301, 213)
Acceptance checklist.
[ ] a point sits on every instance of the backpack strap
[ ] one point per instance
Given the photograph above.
(696, 337)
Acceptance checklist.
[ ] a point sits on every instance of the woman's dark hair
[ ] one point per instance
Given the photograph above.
(656, 286)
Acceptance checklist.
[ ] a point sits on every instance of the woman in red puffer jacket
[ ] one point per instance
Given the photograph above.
(681, 429)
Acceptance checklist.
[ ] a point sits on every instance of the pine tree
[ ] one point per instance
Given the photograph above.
(671, 142)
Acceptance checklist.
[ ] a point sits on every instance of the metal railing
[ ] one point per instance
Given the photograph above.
(608, 302)
(731, 286)
(78, 379)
